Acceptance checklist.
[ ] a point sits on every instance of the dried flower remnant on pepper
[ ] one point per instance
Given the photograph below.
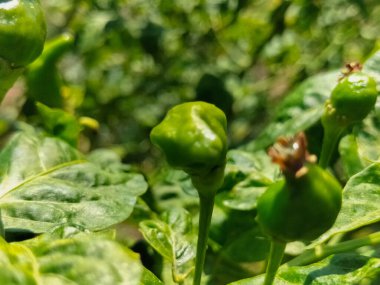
(291, 155)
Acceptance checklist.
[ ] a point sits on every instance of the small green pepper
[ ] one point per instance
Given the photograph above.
(350, 102)
(301, 206)
(354, 96)
(305, 203)
(22, 31)
(22, 36)
(193, 138)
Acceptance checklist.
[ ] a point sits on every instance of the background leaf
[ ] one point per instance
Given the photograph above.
(300, 110)
(43, 184)
(173, 238)
(340, 269)
(18, 265)
(88, 259)
(246, 177)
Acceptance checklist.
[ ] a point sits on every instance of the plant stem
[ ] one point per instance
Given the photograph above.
(320, 252)
(330, 140)
(276, 253)
(206, 208)
(2, 232)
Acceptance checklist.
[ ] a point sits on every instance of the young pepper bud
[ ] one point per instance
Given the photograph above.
(193, 138)
(22, 31)
(306, 202)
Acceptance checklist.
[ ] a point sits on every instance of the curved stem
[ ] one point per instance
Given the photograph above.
(276, 253)
(320, 252)
(206, 208)
(330, 140)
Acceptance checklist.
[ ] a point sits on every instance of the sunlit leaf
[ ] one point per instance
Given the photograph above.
(18, 265)
(172, 238)
(89, 259)
(361, 197)
(45, 183)
(340, 269)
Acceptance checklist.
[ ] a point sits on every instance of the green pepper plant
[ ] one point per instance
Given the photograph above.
(285, 195)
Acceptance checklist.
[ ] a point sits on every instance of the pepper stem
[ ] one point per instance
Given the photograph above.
(320, 252)
(276, 253)
(330, 140)
(206, 208)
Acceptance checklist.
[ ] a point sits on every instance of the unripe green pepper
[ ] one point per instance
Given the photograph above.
(22, 36)
(22, 31)
(350, 102)
(305, 203)
(193, 138)
(354, 96)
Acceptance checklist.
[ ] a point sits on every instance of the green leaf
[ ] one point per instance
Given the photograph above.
(250, 246)
(246, 177)
(44, 183)
(171, 237)
(360, 205)
(349, 156)
(368, 138)
(172, 188)
(372, 66)
(88, 259)
(18, 265)
(301, 109)
(340, 269)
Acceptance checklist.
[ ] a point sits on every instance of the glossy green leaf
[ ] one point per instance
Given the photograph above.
(340, 269)
(89, 259)
(172, 238)
(360, 205)
(18, 265)
(45, 183)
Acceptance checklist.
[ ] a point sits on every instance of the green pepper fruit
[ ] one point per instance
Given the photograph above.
(353, 97)
(22, 36)
(305, 203)
(350, 102)
(193, 138)
(22, 31)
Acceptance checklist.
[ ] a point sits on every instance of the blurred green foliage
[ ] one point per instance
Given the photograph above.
(134, 59)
